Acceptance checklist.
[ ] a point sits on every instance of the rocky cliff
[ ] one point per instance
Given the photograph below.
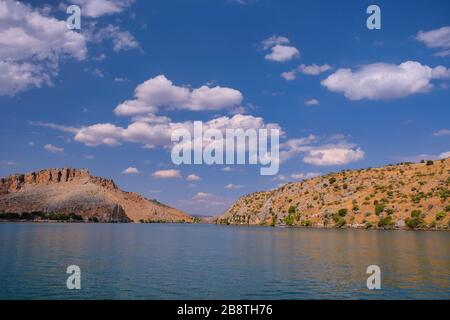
(74, 191)
(407, 195)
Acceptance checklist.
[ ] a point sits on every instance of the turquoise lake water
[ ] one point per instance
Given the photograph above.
(181, 261)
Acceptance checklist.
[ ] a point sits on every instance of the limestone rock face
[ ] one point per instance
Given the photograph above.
(69, 190)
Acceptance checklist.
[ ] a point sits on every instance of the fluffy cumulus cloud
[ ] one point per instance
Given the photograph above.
(312, 102)
(53, 149)
(158, 134)
(282, 53)
(313, 150)
(160, 92)
(333, 155)
(280, 50)
(121, 40)
(167, 174)
(289, 75)
(385, 81)
(313, 69)
(273, 41)
(31, 45)
(97, 8)
(193, 177)
(130, 170)
(438, 39)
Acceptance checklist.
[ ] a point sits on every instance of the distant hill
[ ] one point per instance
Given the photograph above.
(75, 192)
(406, 195)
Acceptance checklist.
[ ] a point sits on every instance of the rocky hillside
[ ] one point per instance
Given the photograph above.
(75, 192)
(406, 195)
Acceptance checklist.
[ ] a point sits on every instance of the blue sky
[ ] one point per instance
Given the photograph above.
(56, 88)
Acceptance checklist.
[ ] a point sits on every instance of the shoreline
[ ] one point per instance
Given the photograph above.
(231, 225)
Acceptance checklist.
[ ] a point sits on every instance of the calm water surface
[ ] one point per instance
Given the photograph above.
(175, 261)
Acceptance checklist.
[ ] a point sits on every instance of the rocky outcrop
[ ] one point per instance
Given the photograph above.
(75, 191)
(406, 195)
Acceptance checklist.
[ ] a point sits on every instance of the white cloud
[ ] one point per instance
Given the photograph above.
(385, 81)
(437, 38)
(16, 77)
(167, 174)
(120, 79)
(333, 155)
(444, 155)
(312, 150)
(202, 195)
(282, 53)
(273, 41)
(313, 69)
(130, 170)
(122, 40)
(289, 75)
(442, 132)
(227, 169)
(8, 163)
(53, 149)
(233, 186)
(97, 8)
(303, 176)
(160, 92)
(155, 132)
(31, 46)
(425, 156)
(193, 177)
(293, 147)
(444, 53)
(312, 102)
(280, 50)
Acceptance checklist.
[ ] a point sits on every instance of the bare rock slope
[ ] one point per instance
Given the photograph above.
(406, 195)
(74, 191)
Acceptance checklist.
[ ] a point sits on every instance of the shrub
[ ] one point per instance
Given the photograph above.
(368, 225)
(342, 212)
(9, 215)
(341, 222)
(414, 223)
(307, 223)
(379, 208)
(386, 222)
(332, 180)
(440, 215)
(430, 163)
(447, 209)
(416, 213)
(291, 210)
(27, 216)
(289, 220)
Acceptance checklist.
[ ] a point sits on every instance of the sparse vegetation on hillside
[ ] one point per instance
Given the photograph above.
(406, 195)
